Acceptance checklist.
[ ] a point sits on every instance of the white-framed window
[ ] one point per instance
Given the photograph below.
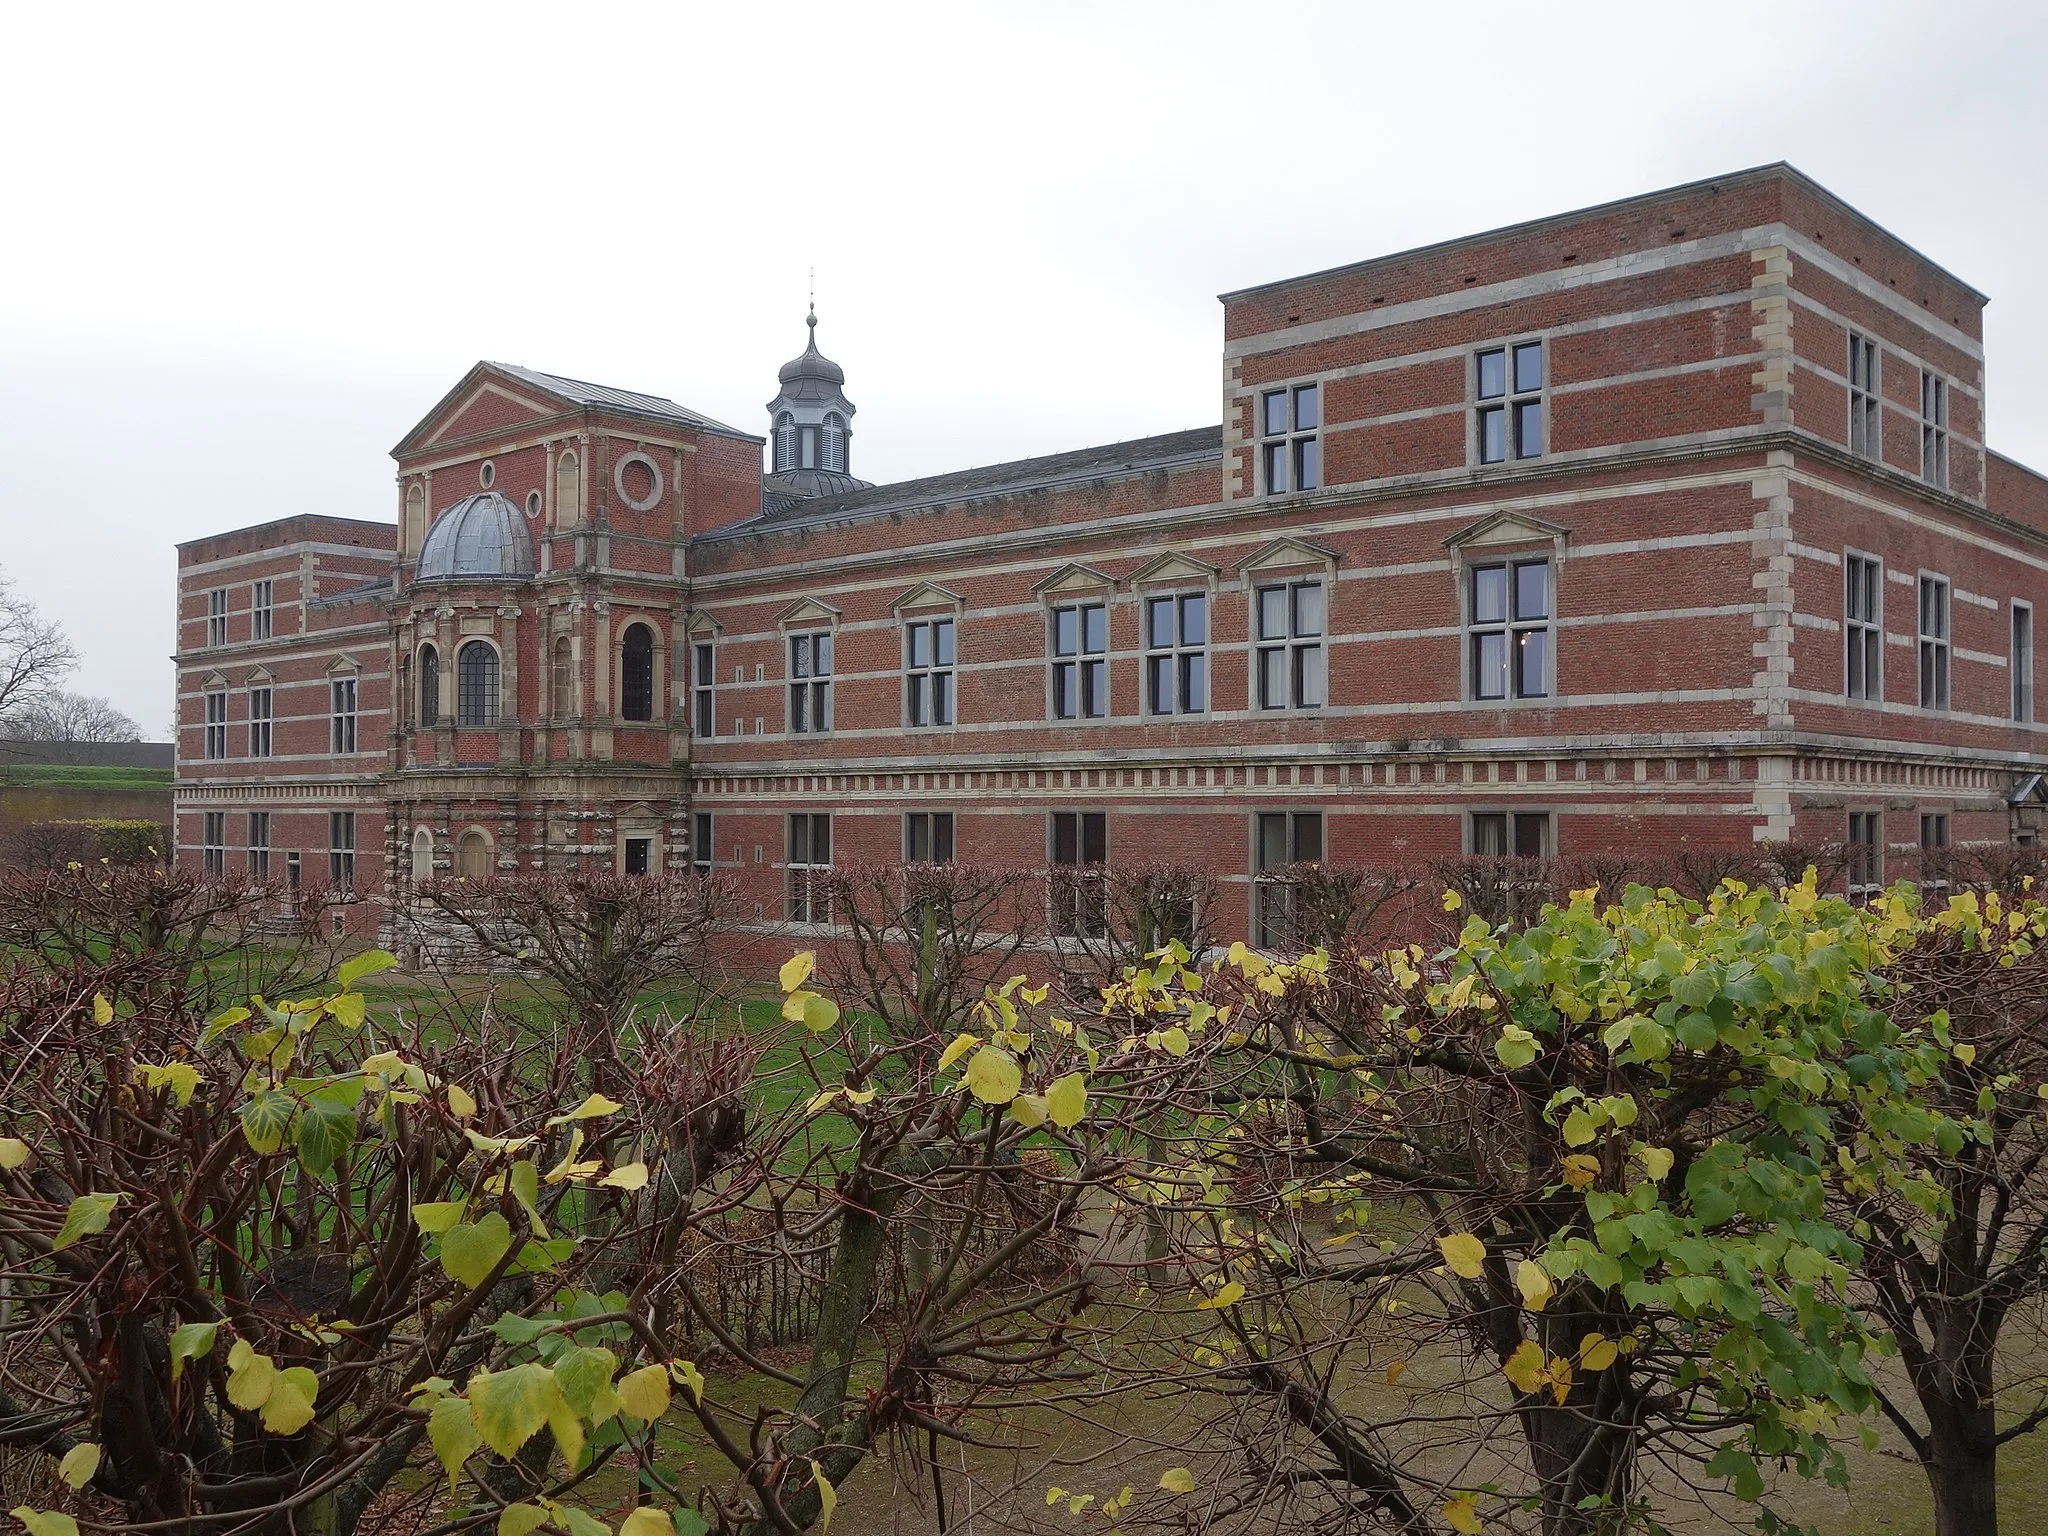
(342, 736)
(1508, 384)
(1862, 627)
(1866, 853)
(1290, 453)
(259, 722)
(1933, 429)
(1077, 848)
(1289, 620)
(1934, 642)
(1508, 627)
(217, 723)
(703, 851)
(703, 683)
(927, 837)
(2022, 660)
(1279, 839)
(341, 849)
(259, 610)
(810, 865)
(1866, 408)
(928, 672)
(1177, 653)
(213, 843)
(476, 685)
(1080, 661)
(259, 844)
(217, 616)
(810, 682)
(1511, 834)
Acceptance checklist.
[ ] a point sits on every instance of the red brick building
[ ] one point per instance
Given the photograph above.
(1666, 519)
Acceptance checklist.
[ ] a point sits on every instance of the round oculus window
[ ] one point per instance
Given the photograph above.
(533, 503)
(638, 481)
(487, 474)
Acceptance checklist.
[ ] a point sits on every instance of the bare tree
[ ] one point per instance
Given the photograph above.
(34, 652)
(60, 715)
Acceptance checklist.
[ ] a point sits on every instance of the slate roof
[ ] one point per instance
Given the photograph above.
(1171, 448)
(581, 392)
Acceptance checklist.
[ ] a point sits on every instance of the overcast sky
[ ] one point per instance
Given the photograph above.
(245, 250)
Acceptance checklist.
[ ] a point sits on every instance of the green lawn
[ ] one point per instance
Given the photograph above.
(82, 776)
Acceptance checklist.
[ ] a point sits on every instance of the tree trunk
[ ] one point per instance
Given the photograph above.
(1962, 1469)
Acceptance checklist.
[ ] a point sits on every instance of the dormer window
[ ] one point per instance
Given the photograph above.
(835, 441)
(807, 447)
(785, 441)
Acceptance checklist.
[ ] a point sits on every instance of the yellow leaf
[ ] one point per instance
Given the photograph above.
(1462, 1514)
(828, 1498)
(796, 970)
(1028, 1109)
(646, 1521)
(454, 1436)
(1535, 1285)
(1580, 1170)
(961, 1045)
(460, 1104)
(45, 1522)
(250, 1376)
(644, 1393)
(591, 1108)
(347, 1009)
(289, 1407)
(627, 1176)
(1229, 1296)
(1597, 1352)
(102, 1010)
(79, 1464)
(509, 1407)
(1053, 1495)
(1464, 1253)
(1656, 1161)
(860, 1095)
(1173, 1041)
(1966, 1054)
(689, 1378)
(1525, 1367)
(993, 1075)
(820, 1013)
(1396, 1371)
(1078, 1502)
(13, 1153)
(1453, 901)
(1066, 1101)
(819, 1100)
(1177, 1480)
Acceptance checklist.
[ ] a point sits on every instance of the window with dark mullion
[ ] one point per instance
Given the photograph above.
(1511, 834)
(217, 723)
(810, 682)
(1866, 419)
(342, 737)
(2022, 661)
(1934, 642)
(703, 851)
(1863, 627)
(1080, 667)
(1934, 429)
(1290, 453)
(1281, 839)
(1866, 853)
(260, 740)
(1177, 654)
(928, 837)
(703, 679)
(1510, 630)
(1079, 848)
(259, 844)
(810, 862)
(213, 843)
(1508, 383)
(1289, 623)
(928, 672)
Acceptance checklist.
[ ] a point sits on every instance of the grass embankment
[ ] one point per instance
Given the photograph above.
(81, 776)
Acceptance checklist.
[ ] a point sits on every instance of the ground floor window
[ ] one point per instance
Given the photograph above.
(810, 868)
(701, 847)
(928, 837)
(341, 849)
(1280, 839)
(259, 844)
(639, 854)
(1934, 855)
(1078, 848)
(1512, 834)
(1866, 853)
(213, 842)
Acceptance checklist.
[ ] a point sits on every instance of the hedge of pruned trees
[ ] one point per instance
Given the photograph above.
(1506, 1197)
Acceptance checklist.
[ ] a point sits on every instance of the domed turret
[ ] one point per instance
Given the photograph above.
(809, 431)
(481, 537)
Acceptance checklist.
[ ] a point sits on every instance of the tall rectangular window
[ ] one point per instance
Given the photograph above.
(1511, 834)
(1934, 642)
(2022, 661)
(1080, 666)
(341, 849)
(259, 610)
(810, 864)
(810, 682)
(1863, 627)
(928, 837)
(1281, 838)
(259, 844)
(1510, 630)
(217, 617)
(1290, 454)
(259, 722)
(703, 679)
(342, 737)
(1933, 429)
(1866, 416)
(1290, 623)
(1508, 384)
(1866, 853)
(703, 851)
(928, 672)
(213, 843)
(1934, 858)
(1078, 849)
(1177, 653)
(217, 723)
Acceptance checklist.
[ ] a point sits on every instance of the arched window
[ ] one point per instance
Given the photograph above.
(636, 673)
(564, 680)
(568, 492)
(473, 855)
(422, 854)
(835, 441)
(430, 687)
(476, 685)
(415, 519)
(785, 441)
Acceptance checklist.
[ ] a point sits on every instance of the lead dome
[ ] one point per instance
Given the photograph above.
(481, 536)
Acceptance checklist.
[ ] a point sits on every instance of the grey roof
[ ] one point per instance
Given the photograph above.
(1019, 475)
(785, 488)
(583, 393)
(482, 537)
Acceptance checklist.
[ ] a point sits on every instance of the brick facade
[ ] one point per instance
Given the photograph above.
(1567, 571)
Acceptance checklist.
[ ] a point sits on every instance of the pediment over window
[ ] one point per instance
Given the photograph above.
(807, 610)
(2032, 789)
(344, 663)
(704, 622)
(1506, 528)
(1178, 569)
(213, 682)
(1074, 577)
(257, 678)
(1284, 554)
(928, 594)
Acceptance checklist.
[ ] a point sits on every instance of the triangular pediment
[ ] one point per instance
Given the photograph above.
(927, 594)
(1505, 528)
(344, 663)
(1074, 577)
(704, 622)
(213, 682)
(1283, 554)
(257, 677)
(807, 610)
(1173, 568)
(2032, 789)
(486, 401)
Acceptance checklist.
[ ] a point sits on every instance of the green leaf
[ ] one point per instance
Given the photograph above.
(438, 1215)
(87, 1215)
(326, 1130)
(453, 1433)
(585, 1377)
(250, 1376)
(180, 1077)
(289, 1407)
(266, 1119)
(45, 1522)
(1516, 1047)
(368, 963)
(1578, 1128)
(518, 1519)
(993, 1075)
(1731, 1461)
(525, 1182)
(470, 1251)
(79, 1464)
(828, 1498)
(1066, 1100)
(191, 1341)
(689, 1523)
(509, 1407)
